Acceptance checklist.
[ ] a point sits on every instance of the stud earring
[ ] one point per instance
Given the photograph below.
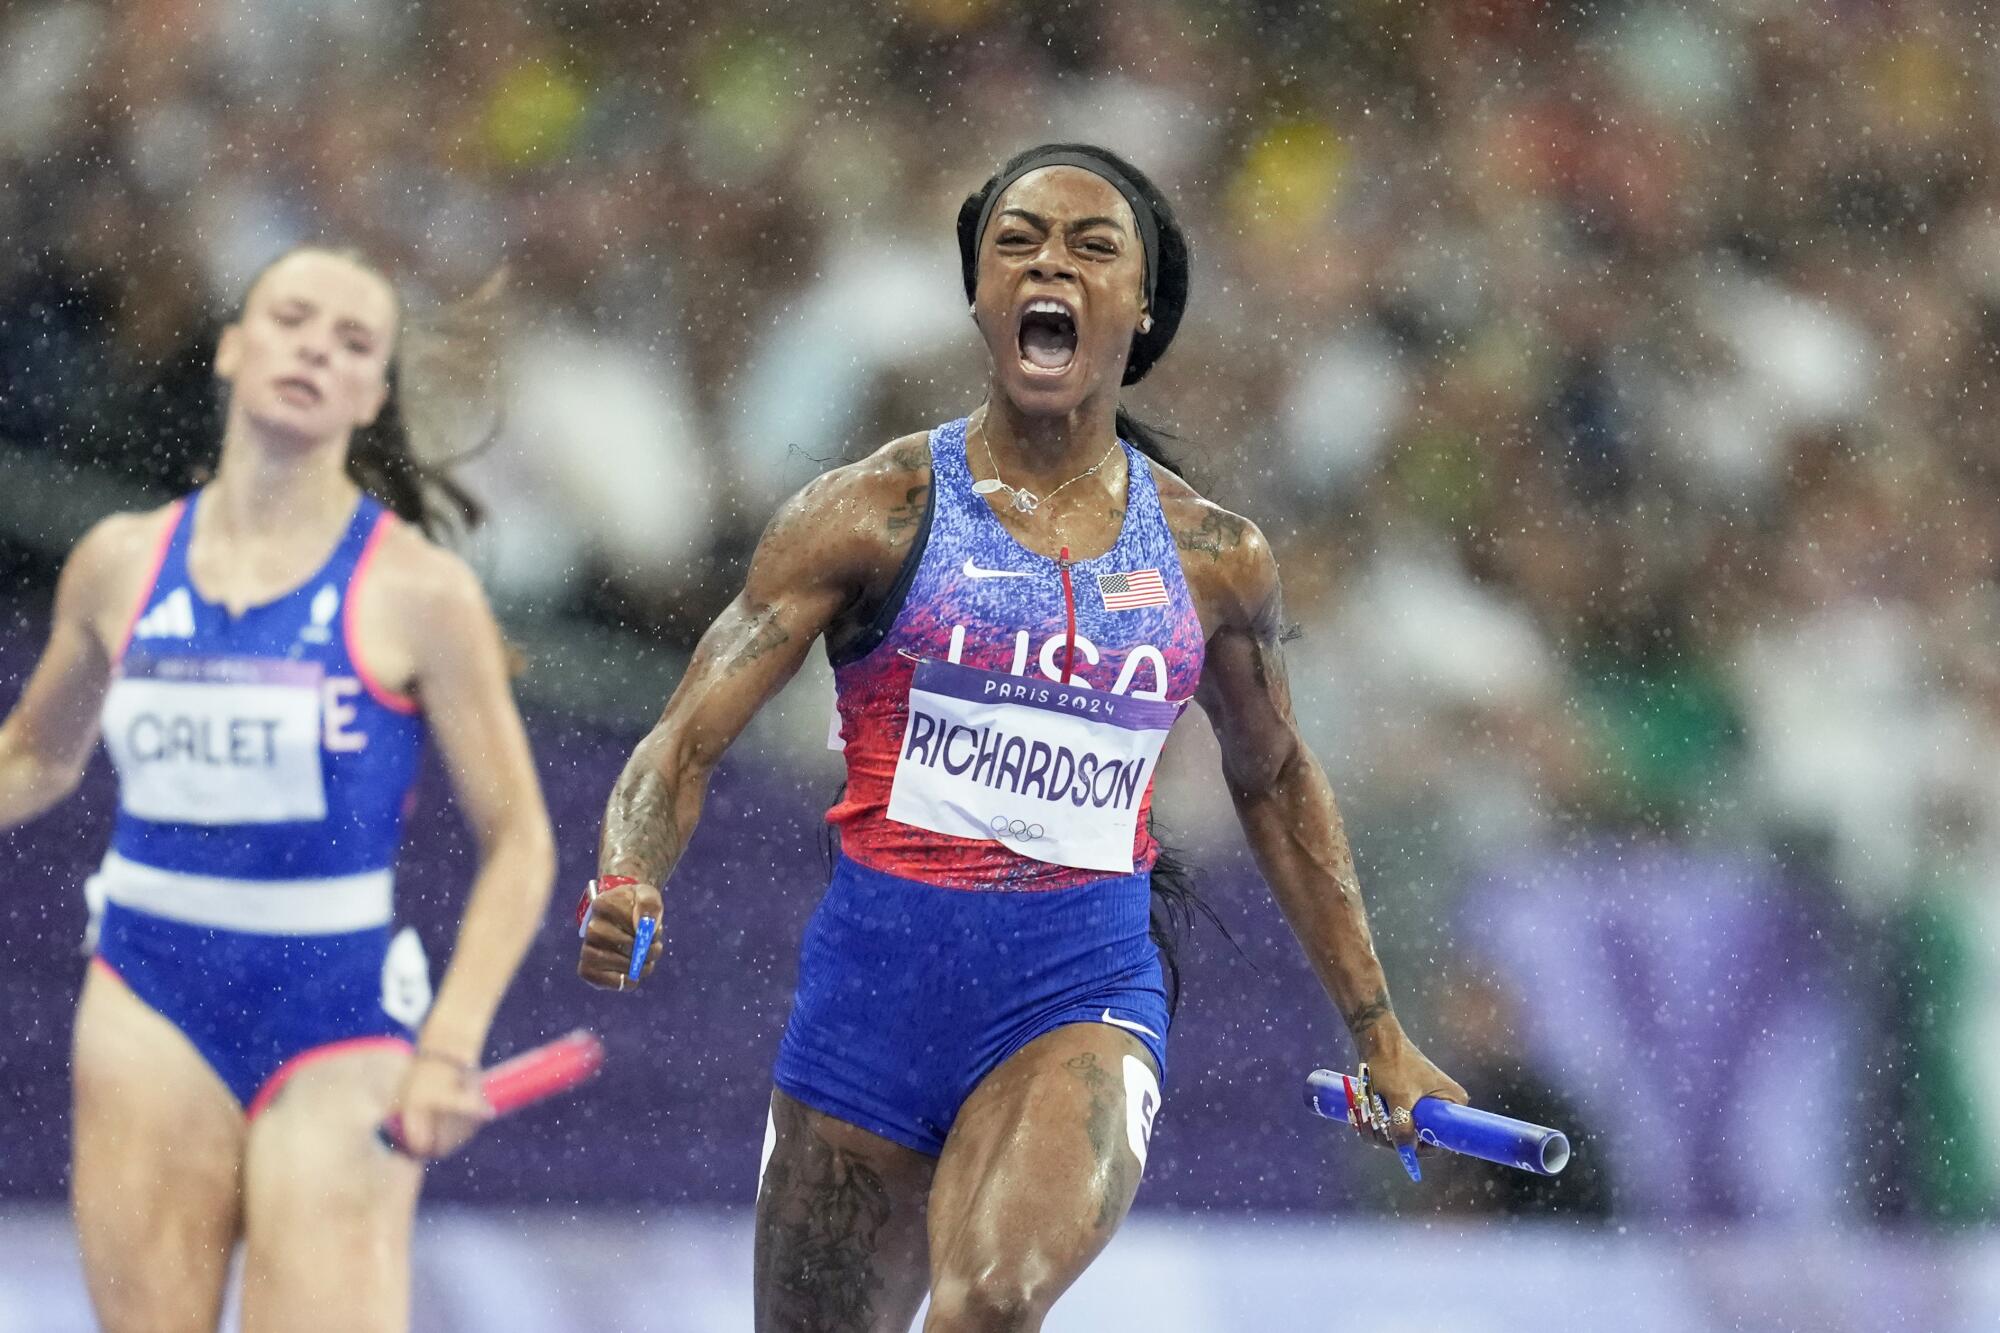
(1146, 324)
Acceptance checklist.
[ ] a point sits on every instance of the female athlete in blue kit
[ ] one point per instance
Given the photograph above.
(1017, 606)
(263, 659)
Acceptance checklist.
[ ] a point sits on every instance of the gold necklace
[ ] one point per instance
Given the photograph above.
(1024, 500)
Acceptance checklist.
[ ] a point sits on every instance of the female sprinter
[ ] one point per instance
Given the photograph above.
(263, 658)
(1016, 607)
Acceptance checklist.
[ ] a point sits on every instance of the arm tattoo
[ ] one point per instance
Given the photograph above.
(642, 830)
(1218, 534)
(1367, 1014)
(1267, 651)
(905, 518)
(765, 634)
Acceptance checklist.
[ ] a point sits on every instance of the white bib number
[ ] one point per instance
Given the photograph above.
(1054, 772)
(406, 979)
(217, 741)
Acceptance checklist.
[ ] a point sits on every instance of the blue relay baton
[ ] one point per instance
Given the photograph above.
(1460, 1129)
(642, 940)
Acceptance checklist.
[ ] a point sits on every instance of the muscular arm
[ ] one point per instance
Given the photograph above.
(46, 739)
(1283, 798)
(828, 549)
(747, 655)
(1281, 793)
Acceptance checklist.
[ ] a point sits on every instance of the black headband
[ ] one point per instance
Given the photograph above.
(1142, 212)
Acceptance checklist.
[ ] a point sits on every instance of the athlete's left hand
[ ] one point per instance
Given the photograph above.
(1402, 1075)
(441, 1107)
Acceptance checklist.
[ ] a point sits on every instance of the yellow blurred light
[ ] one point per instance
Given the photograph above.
(947, 15)
(1918, 86)
(1290, 178)
(534, 113)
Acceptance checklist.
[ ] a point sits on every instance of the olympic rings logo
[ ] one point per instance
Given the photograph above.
(1016, 830)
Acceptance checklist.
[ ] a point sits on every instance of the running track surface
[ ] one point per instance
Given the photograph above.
(689, 1272)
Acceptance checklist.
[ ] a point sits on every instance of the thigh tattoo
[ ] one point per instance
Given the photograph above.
(820, 1224)
(1111, 1135)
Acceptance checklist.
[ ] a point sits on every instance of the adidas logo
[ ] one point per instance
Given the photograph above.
(171, 619)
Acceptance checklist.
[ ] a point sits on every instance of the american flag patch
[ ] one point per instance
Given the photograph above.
(1130, 591)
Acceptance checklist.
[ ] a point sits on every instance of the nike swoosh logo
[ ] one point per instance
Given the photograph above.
(1129, 1025)
(973, 571)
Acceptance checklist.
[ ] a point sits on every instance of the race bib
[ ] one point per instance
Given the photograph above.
(1054, 772)
(217, 741)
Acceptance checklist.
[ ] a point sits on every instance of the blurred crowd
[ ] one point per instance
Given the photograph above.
(1614, 380)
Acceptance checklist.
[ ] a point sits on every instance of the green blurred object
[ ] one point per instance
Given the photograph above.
(749, 91)
(1951, 1169)
(1669, 731)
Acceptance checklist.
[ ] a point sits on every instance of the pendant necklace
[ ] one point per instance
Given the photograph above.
(1024, 500)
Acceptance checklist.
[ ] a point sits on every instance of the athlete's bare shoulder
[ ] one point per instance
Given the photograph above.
(900, 457)
(857, 521)
(1225, 557)
(410, 566)
(416, 602)
(875, 489)
(108, 569)
(130, 537)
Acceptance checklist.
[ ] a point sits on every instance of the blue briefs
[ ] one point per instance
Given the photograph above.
(909, 995)
(254, 1005)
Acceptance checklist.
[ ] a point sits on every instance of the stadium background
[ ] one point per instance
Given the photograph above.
(1616, 382)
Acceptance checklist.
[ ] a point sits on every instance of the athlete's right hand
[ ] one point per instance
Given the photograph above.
(609, 931)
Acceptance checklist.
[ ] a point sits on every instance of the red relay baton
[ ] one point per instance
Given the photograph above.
(532, 1076)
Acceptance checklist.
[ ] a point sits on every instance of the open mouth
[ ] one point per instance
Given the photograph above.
(299, 392)
(1048, 336)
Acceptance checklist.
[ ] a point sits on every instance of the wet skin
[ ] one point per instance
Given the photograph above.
(1033, 1180)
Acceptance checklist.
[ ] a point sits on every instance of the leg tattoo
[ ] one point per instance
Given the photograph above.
(819, 1228)
(1104, 1122)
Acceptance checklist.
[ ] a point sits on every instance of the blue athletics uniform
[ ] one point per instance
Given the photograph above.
(993, 877)
(263, 777)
